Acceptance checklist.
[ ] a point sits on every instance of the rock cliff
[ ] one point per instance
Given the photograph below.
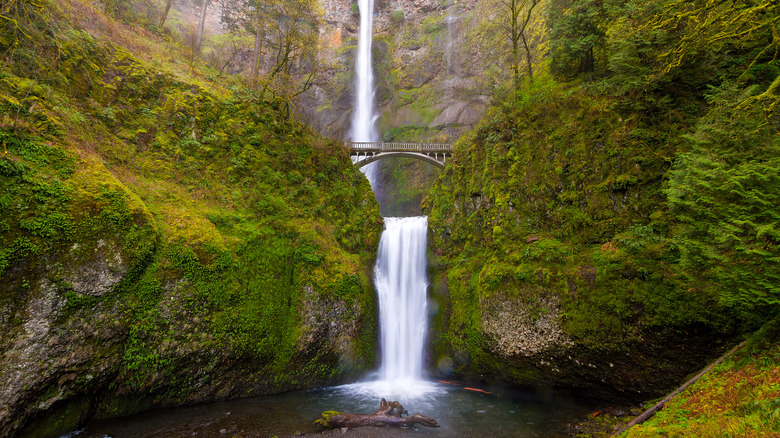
(163, 240)
(430, 76)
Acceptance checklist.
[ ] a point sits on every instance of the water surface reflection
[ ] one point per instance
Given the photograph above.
(476, 412)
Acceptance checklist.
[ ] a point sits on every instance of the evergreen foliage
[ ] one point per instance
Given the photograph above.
(725, 193)
(632, 192)
(636, 180)
(576, 35)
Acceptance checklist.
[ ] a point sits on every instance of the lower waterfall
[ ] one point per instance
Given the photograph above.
(401, 283)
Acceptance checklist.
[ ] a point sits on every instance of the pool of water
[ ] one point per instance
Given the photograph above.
(461, 410)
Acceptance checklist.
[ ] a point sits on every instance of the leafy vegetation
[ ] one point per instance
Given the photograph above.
(635, 180)
(740, 397)
(194, 231)
(631, 191)
(285, 43)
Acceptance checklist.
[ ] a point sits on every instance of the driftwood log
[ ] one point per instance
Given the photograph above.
(389, 415)
(650, 412)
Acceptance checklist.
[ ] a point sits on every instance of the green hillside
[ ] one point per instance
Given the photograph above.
(172, 233)
(621, 209)
(165, 238)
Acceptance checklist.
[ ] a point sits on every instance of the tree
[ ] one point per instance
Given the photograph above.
(259, 36)
(519, 12)
(576, 30)
(526, 46)
(288, 32)
(164, 15)
(292, 34)
(201, 25)
(244, 15)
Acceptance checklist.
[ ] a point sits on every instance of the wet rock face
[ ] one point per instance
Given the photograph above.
(73, 343)
(51, 350)
(338, 11)
(517, 328)
(329, 323)
(102, 274)
(426, 73)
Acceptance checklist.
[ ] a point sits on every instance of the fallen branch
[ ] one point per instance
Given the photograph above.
(388, 415)
(650, 412)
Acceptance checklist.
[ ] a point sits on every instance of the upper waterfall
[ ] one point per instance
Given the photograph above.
(363, 114)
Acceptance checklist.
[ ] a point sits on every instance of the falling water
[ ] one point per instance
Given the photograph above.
(450, 5)
(401, 284)
(400, 278)
(363, 115)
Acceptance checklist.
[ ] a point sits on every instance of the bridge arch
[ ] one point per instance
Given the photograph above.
(369, 152)
(362, 160)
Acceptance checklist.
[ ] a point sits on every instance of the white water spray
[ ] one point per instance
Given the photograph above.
(401, 283)
(400, 271)
(363, 115)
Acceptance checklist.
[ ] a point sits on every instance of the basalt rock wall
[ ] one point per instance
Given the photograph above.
(430, 74)
(163, 240)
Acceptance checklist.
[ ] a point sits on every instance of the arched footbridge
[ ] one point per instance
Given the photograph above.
(366, 152)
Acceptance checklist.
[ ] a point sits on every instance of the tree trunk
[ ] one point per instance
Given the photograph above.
(587, 63)
(258, 48)
(515, 35)
(389, 414)
(201, 24)
(528, 58)
(526, 23)
(516, 65)
(165, 14)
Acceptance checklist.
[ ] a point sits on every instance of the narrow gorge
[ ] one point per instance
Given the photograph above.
(187, 247)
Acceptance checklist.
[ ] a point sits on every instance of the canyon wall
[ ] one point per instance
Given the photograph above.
(430, 73)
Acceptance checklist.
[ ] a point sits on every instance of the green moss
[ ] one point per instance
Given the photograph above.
(431, 25)
(215, 210)
(739, 396)
(397, 16)
(62, 418)
(324, 421)
(559, 194)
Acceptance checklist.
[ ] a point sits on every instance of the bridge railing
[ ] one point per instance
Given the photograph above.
(381, 146)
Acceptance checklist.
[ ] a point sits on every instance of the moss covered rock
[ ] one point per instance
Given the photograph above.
(550, 226)
(165, 240)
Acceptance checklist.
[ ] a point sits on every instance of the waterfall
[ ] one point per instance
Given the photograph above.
(450, 5)
(400, 278)
(363, 115)
(400, 271)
